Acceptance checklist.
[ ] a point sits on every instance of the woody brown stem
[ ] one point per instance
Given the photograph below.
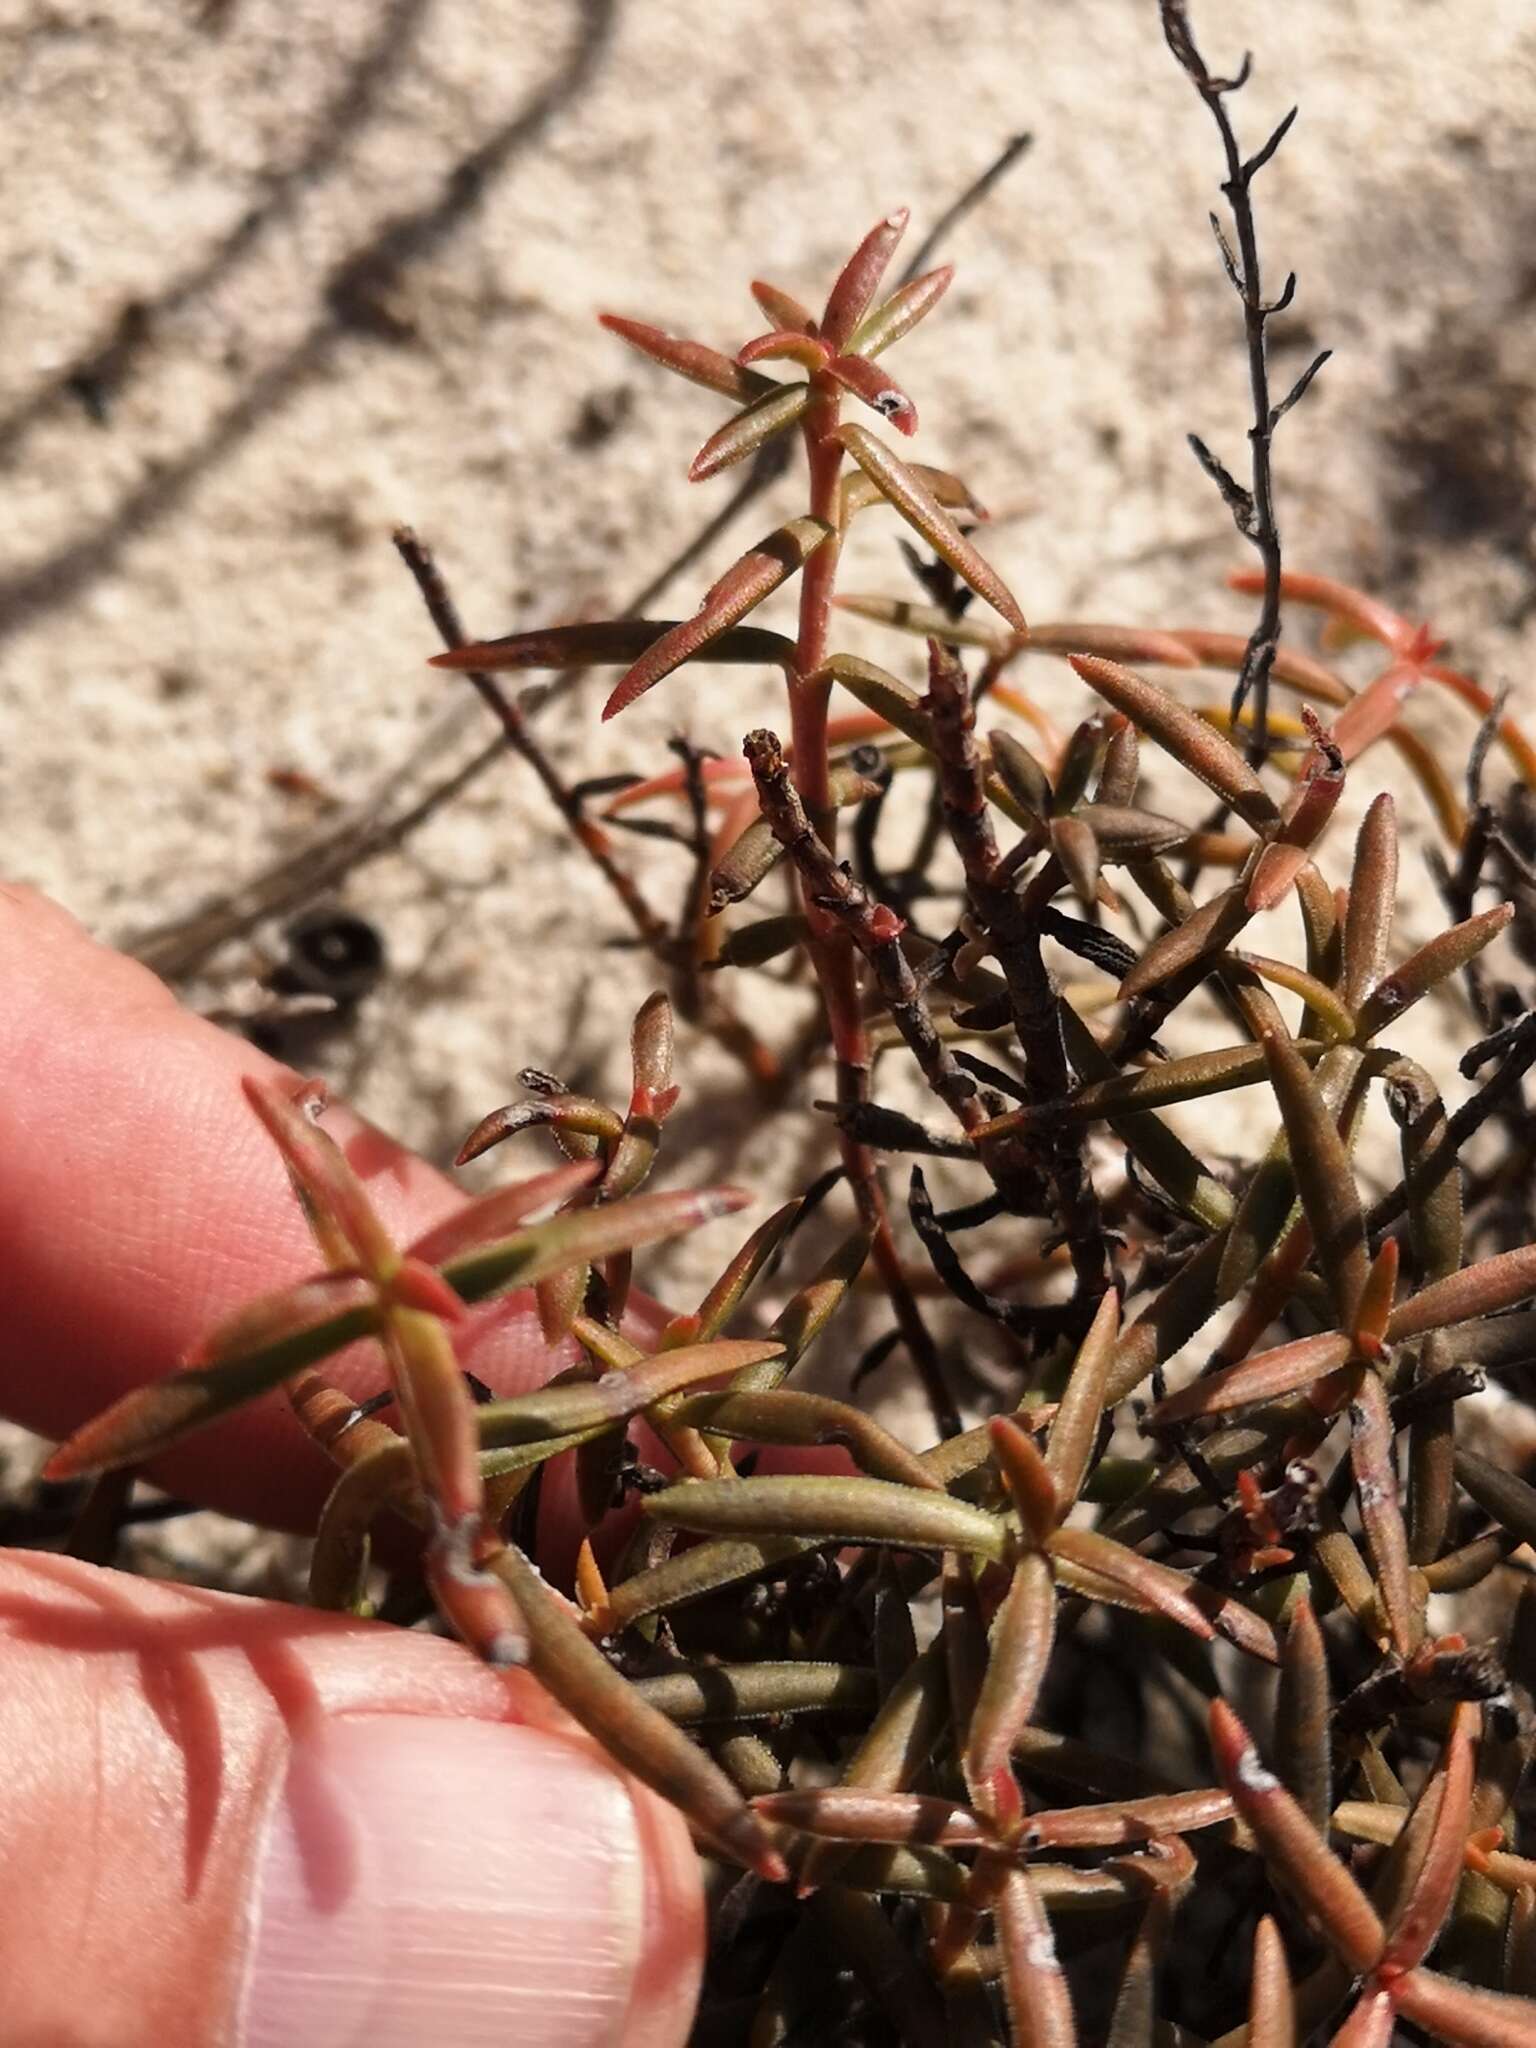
(873, 928)
(1013, 929)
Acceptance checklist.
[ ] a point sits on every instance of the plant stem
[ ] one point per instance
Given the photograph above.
(831, 950)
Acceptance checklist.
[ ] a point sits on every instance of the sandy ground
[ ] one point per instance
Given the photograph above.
(279, 276)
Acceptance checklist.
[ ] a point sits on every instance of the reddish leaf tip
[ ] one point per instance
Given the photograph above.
(420, 1286)
(1231, 1744)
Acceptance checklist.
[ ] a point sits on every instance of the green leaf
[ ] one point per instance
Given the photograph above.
(587, 1235)
(608, 641)
(592, 1404)
(255, 1351)
(900, 313)
(575, 1671)
(848, 1510)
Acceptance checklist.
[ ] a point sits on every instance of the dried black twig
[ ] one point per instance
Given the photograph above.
(1013, 926)
(1515, 1046)
(1036, 1320)
(975, 194)
(1252, 506)
(443, 612)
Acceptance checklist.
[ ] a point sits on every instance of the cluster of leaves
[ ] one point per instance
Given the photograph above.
(861, 1680)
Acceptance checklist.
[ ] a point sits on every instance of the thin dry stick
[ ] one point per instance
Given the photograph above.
(975, 194)
(182, 946)
(444, 614)
(710, 1010)
(1252, 509)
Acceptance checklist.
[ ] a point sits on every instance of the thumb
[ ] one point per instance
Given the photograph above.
(228, 1822)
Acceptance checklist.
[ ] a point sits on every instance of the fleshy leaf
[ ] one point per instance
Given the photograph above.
(1119, 1822)
(900, 313)
(1140, 1581)
(783, 309)
(859, 279)
(786, 344)
(1445, 954)
(1315, 1878)
(1272, 1374)
(1324, 1176)
(1076, 846)
(925, 620)
(841, 1813)
(745, 863)
(1021, 1648)
(327, 1186)
(1480, 1290)
(589, 1235)
(1028, 1478)
(439, 1416)
(1463, 2016)
(1372, 901)
(584, 1405)
(1381, 1515)
(580, 1677)
(858, 375)
(852, 1510)
(755, 576)
(496, 1215)
(1074, 1433)
(579, 1113)
(1434, 1841)
(1307, 810)
(256, 1350)
(1271, 1999)
(1325, 1007)
(1183, 734)
(916, 503)
(745, 432)
(1303, 1717)
(690, 359)
(608, 641)
(1504, 1495)
(728, 1292)
(1125, 832)
(1034, 1985)
(1202, 935)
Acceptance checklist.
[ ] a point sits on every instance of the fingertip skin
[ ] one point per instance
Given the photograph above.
(152, 1732)
(140, 1202)
(220, 1812)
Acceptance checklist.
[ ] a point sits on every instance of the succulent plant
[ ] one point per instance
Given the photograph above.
(910, 1684)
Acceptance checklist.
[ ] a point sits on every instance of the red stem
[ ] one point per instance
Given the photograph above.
(832, 953)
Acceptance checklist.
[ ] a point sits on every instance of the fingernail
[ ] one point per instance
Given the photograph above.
(429, 1880)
